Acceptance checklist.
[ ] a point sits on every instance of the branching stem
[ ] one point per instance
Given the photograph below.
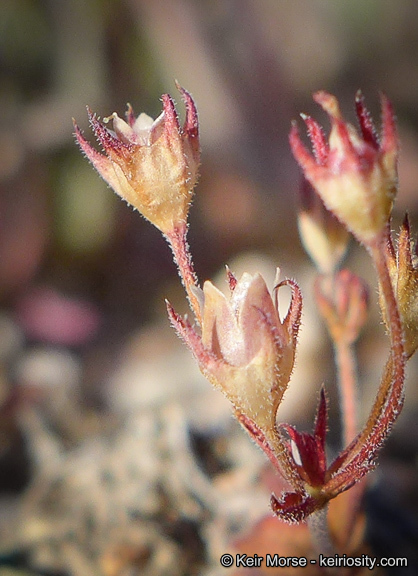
(389, 399)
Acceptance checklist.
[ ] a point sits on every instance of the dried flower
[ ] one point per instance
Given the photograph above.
(403, 269)
(356, 176)
(152, 164)
(245, 349)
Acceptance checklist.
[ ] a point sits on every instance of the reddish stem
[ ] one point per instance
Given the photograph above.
(389, 399)
(177, 239)
(346, 366)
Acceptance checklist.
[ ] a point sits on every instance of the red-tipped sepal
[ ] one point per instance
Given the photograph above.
(308, 450)
(355, 176)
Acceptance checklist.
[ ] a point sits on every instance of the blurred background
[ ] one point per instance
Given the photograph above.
(116, 457)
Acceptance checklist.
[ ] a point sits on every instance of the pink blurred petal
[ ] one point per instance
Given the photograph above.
(46, 315)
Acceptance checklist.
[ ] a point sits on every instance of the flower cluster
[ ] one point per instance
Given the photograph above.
(240, 342)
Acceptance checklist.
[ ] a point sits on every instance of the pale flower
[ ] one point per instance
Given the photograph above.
(245, 349)
(152, 164)
(354, 174)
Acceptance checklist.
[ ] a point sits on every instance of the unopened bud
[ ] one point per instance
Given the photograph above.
(403, 270)
(324, 238)
(343, 302)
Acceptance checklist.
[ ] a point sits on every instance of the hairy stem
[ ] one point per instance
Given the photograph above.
(395, 327)
(389, 399)
(320, 534)
(177, 239)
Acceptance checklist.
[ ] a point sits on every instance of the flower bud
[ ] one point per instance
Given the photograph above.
(343, 302)
(356, 176)
(324, 238)
(403, 270)
(152, 164)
